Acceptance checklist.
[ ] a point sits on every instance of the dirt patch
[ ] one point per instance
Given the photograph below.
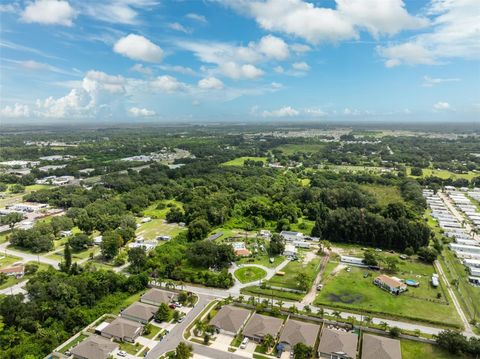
(309, 256)
(346, 298)
(338, 268)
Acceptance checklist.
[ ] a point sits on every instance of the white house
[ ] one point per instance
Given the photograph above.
(290, 250)
(356, 261)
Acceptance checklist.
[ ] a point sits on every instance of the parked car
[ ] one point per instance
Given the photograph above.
(181, 319)
(320, 287)
(244, 343)
(122, 354)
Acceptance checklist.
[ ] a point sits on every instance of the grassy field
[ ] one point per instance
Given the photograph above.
(415, 350)
(7, 260)
(263, 260)
(152, 211)
(292, 148)
(303, 225)
(291, 270)
(240, 160)
(269, 293)
(158, 227)
(354, 169)
(351, 290)
(249, 274)
(445, 174)
(384, 194)
(11, 198)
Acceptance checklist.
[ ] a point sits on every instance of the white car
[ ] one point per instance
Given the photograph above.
(244, 343)
(121, 353)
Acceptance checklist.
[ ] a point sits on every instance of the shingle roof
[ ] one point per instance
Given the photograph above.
(336, 341)
(158, 296)
(261, 325)
(140, 310)
(377, 347)
(230, 318)
(94, 347)
(123, 328)
(299, 332)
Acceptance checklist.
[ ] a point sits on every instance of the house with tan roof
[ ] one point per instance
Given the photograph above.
(260, 325)
(377, 347)
(230, 320)
(295, 332)
(390, 284)
(17, 271)
(139, 312)
(94, 347)
(338, 344)
(123, 330)
(158, 296)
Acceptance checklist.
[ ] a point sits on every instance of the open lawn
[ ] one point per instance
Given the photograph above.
(240, 161)
(291, 270)
(158, 227)
(354, 169)
(130, 348)
(384, 194)
(153, 212)
(352, 290)
(303, 225)
(445, 174)
(415, 350)
(292, 148)
(263, 260)
(7, 260)
(249, 274)
(154, 330)
(269, 293)
(12, 198)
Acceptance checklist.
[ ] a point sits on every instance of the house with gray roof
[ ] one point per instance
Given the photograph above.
(377, 347)
(230, 320)
(94, 347)
(139, 312)
(295, 332)
(260, 325)
(158, 296)
(337, 344)
(123, 330)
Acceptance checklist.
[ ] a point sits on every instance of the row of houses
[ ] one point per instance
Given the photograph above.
(465, 246)
(332, 342)
(125, 328)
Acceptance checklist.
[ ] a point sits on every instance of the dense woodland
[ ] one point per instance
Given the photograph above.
(210, 196)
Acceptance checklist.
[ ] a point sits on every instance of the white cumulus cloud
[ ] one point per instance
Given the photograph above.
(286, 111)
(210, 83)
(179, 27)
(236, 71)
(441, 106)
(15, 111)
(273, 47)
(169, 84)
(137, 47)
(301, 66)
(49, 12)
(141, 112)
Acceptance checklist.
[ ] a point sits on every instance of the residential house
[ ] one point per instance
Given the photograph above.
(290, 250)
(94, 347)
(354, 261)
(17, 271)
(338, 344)
(230, 320)
(295, 332)
(139, 312)
(158, 296)
(377, 347)
(390, 284)
(260, 325)
(290, 236)
(123, 330)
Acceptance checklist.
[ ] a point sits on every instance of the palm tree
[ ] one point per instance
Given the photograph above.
(367, 319)
(268, 341)
(337, 314)
(384, 325)
(321, 312)
(280, 304)
(240, 299)
(169, 284)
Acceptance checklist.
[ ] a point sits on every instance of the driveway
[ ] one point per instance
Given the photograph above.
(222, 342)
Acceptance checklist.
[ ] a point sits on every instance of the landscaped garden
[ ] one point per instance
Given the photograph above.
(250, 274)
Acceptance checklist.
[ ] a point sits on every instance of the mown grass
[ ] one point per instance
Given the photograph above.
(292, 148)
(351, 290)
(414, 350)
(249, 274)
(240, 161)
(445, 174)
(291, 270)
(157, 227)
(74, 342)
(384, 194)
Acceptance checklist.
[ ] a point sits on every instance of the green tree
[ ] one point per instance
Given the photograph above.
(369, 258)
(392, 264)
(277, 245)
(163, 313)
(67, 258)
(302, 351)
(138, 259)
(452, 341)
(183, 351)
(111, 243)
(302, 281)
(268, 341)
(198, 230)
(11, 219)
(427, 254)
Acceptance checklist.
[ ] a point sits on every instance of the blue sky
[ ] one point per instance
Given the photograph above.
(239, 60)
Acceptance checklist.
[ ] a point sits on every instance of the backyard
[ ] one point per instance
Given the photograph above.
(355, 290)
